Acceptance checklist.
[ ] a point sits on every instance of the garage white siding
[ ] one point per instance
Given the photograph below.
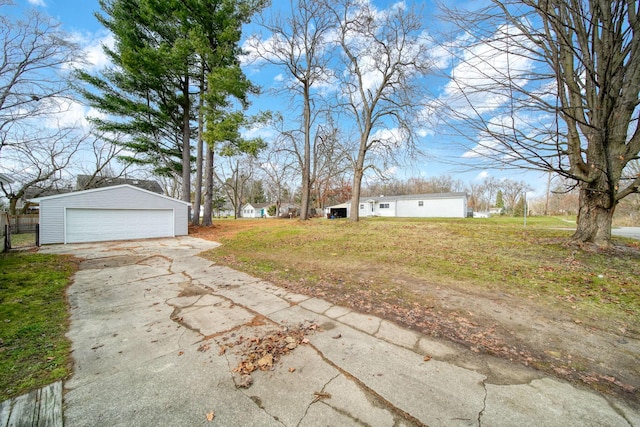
(110, 213)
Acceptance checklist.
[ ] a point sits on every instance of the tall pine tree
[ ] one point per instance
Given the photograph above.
(159, 86)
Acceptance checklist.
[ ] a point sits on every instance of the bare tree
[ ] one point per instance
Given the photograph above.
(38, 165)
(37, 142)
(512, 191)
(234, 177)
(553, 85)
(277, 166)
(35, 54)
(298, 44)
(331, 163)
(384, 55)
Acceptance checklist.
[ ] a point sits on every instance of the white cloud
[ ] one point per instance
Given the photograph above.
(481, 75)
(92, 47)
(39, 3)
(259, 131)
(482, 176)
(68, 114)
(279, 78)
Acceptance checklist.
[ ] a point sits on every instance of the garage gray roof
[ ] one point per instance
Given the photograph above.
(74, 193)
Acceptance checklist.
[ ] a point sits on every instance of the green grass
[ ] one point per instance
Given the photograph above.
(393, 257)
(33, 321)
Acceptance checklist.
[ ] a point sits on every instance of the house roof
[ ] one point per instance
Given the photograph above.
(259, 205)
(5, 179)
(85, 182)
(415, 197)
(110, 188)
(37, 192)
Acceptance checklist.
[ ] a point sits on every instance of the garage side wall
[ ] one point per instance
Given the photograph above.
(52, 211)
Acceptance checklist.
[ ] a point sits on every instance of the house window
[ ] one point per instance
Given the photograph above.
(420, 203)
(361, 206)
(384, 205)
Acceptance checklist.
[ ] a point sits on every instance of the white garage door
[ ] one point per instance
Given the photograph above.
(96, 225)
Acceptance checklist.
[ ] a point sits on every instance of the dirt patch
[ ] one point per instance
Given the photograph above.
(596, 353)
(221, 230)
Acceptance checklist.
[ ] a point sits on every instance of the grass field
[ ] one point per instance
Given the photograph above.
(33, 321)
(392, 258)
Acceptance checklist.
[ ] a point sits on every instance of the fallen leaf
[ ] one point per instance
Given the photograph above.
(180, 353)
(265, 362)
(427, 358)
(204, 347)
(337, 336)
(292, 369)
(320, 395)
(210, 416)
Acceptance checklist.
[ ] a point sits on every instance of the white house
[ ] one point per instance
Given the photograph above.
(121, 212)
(442, 205)
(255, 210)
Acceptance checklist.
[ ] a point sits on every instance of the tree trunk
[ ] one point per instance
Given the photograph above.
(354, 215)
(306, 163)
(186, 143)
(594, 216)
(197, 200)
(208, 187)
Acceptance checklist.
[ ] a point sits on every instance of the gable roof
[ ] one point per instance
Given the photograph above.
(109, 188)
(85, 182)
(5, 179)
(258, 205)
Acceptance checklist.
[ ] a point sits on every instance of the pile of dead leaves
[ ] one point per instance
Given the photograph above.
(263, 352)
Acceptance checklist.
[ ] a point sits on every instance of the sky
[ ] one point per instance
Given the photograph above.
(77, 19)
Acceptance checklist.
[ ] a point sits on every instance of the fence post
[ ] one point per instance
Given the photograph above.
(7, 237)
(38, 235)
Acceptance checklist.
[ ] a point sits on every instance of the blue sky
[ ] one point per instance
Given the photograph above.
(77, 18)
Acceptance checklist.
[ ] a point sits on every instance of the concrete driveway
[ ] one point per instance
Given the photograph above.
(630, 232)
(162, 337)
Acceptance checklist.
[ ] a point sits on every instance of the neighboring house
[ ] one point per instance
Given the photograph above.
(4, 179)
(86, 182)
(442, 205)
(223, 211)
(256, 210)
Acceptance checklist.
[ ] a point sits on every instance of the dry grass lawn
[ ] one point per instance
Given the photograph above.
(479, 282)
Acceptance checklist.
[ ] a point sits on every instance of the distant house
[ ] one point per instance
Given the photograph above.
(87, 182)
(441, 205)
(256, 210)
(4, 179)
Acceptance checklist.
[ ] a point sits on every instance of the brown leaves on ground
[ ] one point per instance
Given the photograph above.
(264, 351)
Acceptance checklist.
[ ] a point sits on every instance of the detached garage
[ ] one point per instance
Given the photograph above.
(121, 212)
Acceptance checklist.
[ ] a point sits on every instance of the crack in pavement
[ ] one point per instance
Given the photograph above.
(484, 402)
(393, 408)
(318, 399)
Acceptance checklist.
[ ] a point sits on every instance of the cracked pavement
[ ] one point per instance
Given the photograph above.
(153, 327)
